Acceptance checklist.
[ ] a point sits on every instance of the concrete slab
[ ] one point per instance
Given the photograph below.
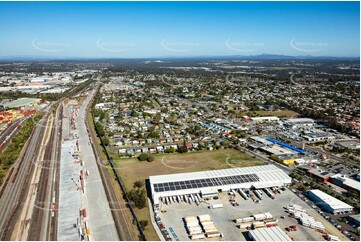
(99, 218)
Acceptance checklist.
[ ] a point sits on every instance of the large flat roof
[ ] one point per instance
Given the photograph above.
(300, 120)
(265, 173)
(256, 176)
(278, 150)
(20, 102)
(269, 234)
(332, 202)
(348, 181)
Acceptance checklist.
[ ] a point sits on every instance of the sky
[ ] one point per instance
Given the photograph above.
(178, 29)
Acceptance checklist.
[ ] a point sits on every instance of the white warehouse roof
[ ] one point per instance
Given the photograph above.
(348, 181)
(269, 234)
(268, 118)
(332, 202)
(225, 179)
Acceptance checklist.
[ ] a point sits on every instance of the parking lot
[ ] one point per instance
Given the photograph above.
(172, 216)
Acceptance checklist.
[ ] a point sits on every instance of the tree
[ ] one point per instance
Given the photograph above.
(143, 223)
(138, 184)
(105, 141)
(169, 150)
(183, 149)
(150, 158)
(137, 196)
(143, 157)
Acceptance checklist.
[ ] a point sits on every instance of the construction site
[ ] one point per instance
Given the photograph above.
(84, 211)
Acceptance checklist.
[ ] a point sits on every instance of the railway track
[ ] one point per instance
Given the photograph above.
(41, 208)
(15, 190)
(17, 184)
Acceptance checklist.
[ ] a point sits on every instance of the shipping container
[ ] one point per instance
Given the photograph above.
(248, 219)
(197, 236)
(259, 216)
(268, 215)
(204, 217)
(212, 235)
(210, 230)
(244, 225)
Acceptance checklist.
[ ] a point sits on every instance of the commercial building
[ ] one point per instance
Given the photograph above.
(348, 144)
(318, 136)
(277, 150)
(265, 119)
(214, 181)
(328, 203)
(346, 182)
(286, 159)
(268, 234)
(299, 122)
(320, 175)
(21, 102)
(286, 145)
(260, 140)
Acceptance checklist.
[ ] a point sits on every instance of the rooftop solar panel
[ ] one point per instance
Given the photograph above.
(199, 183)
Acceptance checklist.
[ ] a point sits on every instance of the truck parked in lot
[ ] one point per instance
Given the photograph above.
(218, 205)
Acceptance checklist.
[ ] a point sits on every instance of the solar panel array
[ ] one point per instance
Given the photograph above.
(207, 182)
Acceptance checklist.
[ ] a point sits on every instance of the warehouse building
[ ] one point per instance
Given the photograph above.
(209, 183)
(268, 234)
(300, 122)
(328, 203)
(265, 119)
(286, 145)
(346, 182)
(21, 102)
(348, 144)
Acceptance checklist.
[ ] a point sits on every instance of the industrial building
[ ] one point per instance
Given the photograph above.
(209, 183)
(300, 122)
(21, 102)
(318, 136)
(265, 119)
(348, 144)
(268, 234)
(285, 145)
(346, 182)
(328, 203)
